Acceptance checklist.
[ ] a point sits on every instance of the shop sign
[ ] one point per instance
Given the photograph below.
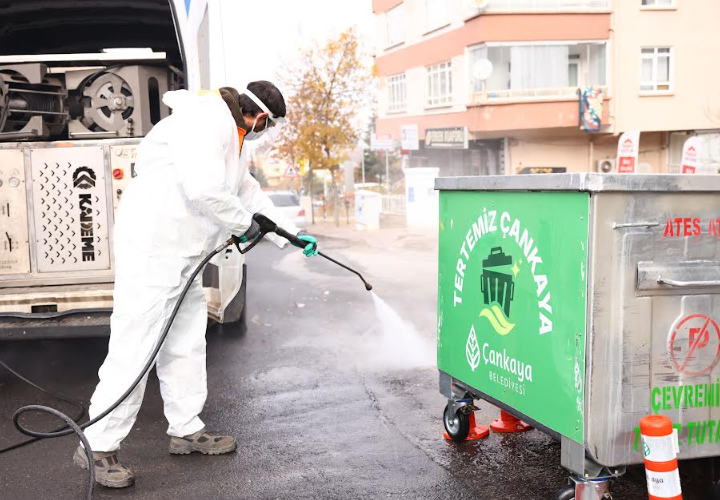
(446, 138)
(690, 155)
(627, 156)
(409, 138)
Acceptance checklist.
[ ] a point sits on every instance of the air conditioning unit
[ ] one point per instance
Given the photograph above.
(605, 166)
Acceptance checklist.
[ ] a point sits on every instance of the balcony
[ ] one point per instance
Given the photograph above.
(547, 5)
(549, 94)
(535, 72)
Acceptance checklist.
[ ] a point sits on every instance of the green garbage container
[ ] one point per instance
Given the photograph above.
(581, 303)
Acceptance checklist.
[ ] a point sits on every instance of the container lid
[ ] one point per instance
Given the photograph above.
(589, 182)
(497, 258)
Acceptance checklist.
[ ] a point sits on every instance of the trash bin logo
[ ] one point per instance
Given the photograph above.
(472, 350)
(498, 289)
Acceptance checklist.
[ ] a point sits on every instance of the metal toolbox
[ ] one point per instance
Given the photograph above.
(614, 282)
(60, 199)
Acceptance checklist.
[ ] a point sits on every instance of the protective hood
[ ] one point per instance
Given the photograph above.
(177, 99)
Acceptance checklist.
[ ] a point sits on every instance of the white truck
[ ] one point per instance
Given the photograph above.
(81, 82)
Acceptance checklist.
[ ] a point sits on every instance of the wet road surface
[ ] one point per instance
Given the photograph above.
(323, 404)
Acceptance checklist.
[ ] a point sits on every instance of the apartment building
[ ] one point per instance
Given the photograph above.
(517, 86)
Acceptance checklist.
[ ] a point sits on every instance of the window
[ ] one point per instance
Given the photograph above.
(397, 95)
(656, 69)
(660, 4)
(437, 13)
(439, 84)
(574, 70)
(537, 70)
(395, 30)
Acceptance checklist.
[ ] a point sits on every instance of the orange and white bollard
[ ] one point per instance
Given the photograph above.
(507, 423)
(660, 449)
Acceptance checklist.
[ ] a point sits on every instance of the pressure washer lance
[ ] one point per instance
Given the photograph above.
(269, 226)
(261, 227)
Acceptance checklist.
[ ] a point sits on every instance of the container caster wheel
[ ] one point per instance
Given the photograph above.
(716, 491)
(457, 425)
(567, 493)
(460, 425)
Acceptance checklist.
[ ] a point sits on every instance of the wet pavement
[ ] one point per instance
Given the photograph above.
(323, 403)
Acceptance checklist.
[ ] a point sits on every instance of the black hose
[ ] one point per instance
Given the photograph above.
(71, 402)
(72, 427)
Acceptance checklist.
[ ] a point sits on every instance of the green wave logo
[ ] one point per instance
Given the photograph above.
(495, 315)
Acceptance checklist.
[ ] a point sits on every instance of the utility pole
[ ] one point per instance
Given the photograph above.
(363, 165)
(312, 203)
(387, 169)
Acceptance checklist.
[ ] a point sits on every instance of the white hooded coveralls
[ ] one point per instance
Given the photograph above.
(191, 192)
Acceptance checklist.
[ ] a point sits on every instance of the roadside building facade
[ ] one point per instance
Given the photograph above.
(528, 86)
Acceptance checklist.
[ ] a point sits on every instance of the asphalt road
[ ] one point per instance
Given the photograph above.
(324, 400)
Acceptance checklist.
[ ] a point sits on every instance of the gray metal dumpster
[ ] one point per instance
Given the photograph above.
(581, 303)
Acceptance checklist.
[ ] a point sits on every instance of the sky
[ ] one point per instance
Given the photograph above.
(268, 31)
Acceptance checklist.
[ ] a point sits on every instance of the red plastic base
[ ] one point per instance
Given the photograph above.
(476, 431)
(506, 423)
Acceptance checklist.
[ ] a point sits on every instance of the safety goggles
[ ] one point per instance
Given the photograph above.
(272, 122)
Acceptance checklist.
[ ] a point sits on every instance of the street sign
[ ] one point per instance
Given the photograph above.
(292, 172)
(410, 140)
(382, 142)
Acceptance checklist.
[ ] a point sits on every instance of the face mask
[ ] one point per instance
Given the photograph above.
(252, 135)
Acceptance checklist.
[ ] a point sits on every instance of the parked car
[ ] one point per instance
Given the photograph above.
(289, 204)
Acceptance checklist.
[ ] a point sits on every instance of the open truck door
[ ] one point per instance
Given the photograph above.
(80, 85)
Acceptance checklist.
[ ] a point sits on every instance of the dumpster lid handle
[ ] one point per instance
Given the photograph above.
(686, 284)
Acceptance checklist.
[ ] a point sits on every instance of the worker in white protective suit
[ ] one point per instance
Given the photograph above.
(192, 191)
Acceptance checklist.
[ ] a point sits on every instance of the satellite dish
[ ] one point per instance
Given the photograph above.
(482, 69)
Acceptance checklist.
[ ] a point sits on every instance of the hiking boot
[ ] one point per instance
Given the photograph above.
(108, 470)
(202, 442)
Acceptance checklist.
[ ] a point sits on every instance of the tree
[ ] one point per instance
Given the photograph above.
(329, 86)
